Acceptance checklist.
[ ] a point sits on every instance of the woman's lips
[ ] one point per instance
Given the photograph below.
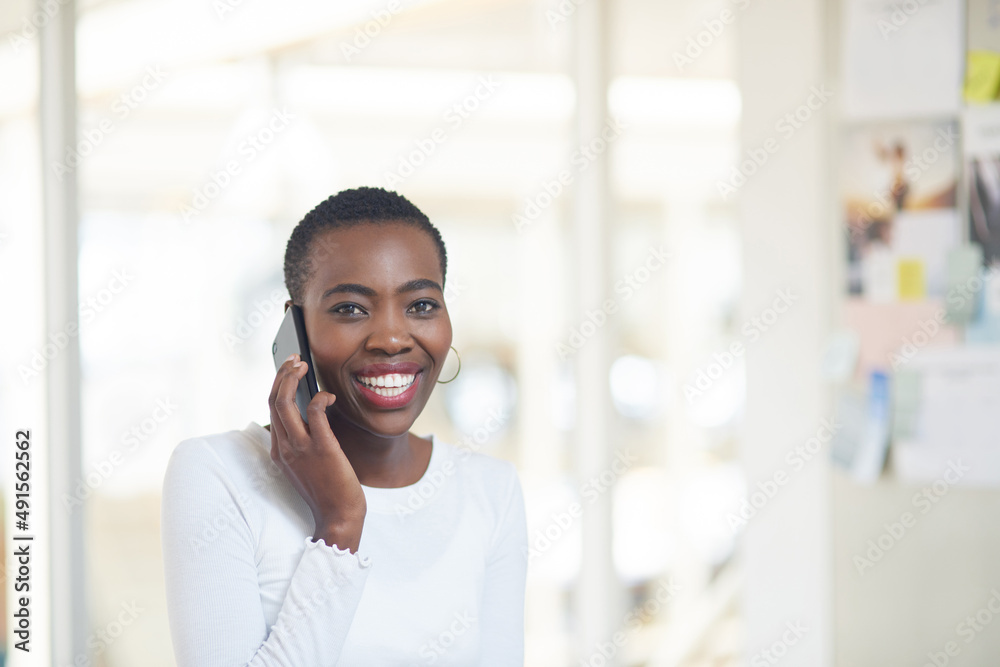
(390, 390)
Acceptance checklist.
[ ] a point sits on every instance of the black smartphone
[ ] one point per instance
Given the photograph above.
(291, 339)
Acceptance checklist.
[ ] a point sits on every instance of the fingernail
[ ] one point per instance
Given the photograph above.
(296, 364)
(290, 357)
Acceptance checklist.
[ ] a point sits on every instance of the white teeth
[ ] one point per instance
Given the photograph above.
(391, 384)
(389, 391)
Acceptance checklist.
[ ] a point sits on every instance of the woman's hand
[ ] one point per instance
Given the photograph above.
(313, 461)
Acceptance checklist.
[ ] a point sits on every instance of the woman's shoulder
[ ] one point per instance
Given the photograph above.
(488, 471)
(490, 483)
(223, 453)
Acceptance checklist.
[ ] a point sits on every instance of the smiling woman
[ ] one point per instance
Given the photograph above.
(296, 543)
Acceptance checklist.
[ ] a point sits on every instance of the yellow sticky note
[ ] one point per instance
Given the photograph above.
(982, 76)
(912, 285)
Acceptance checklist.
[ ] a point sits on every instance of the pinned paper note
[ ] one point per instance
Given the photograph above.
(860, 445)
(894, 69)
(893, 334)
(878, 275)
(851, 415)
(982, 27)
(981, 130)
(959, 391)
(875, 443)
(982, 76)
(893, 211)
(912, 285)
(984, 289)
(991, 291)
(928, 236)
(964, 265)
(841, 356)
(905, 403)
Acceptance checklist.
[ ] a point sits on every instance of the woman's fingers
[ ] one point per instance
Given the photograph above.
(294, 436)
(286, 364)
(288, 429)
(278, 433)
(319, 425)
(288, 409)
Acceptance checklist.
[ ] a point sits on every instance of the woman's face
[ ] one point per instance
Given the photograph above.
(377, 324)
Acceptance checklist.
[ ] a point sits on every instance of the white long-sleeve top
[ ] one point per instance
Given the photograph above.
(438, 577)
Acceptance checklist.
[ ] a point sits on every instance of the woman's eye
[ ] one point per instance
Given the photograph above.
(347, 309)
(424, 306)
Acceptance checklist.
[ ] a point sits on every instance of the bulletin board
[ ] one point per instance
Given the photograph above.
(918, 359)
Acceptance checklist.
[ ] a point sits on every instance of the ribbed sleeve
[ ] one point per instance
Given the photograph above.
(210, 566)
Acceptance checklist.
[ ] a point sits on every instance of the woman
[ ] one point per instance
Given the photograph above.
(349, 540)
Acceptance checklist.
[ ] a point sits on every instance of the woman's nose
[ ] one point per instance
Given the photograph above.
(390, 335)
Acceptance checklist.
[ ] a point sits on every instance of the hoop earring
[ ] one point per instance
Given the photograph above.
(456, 372)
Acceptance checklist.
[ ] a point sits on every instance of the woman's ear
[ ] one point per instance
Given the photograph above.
(288, 304)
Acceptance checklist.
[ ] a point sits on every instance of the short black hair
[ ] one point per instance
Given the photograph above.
(343, 210)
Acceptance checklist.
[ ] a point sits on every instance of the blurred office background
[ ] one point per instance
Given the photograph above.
(563, 148)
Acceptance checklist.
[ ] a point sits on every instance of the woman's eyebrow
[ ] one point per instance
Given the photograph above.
(364, 290)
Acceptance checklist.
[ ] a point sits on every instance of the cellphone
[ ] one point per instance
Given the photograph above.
(291, 339)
